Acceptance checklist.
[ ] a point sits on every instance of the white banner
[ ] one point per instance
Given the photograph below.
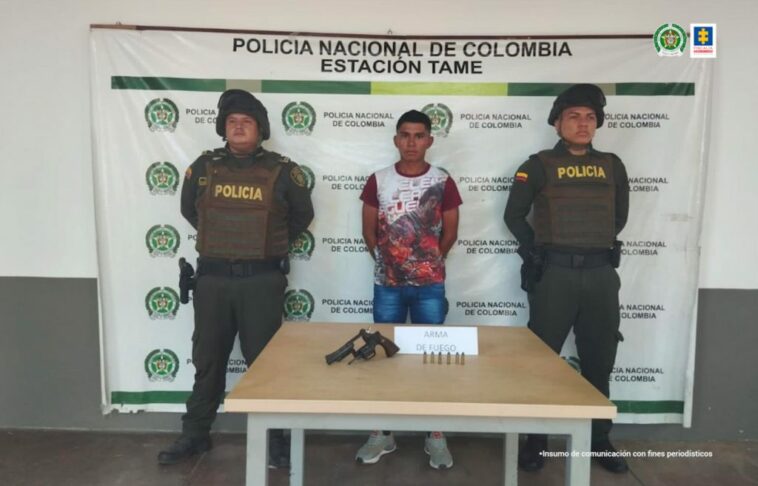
(333, 103)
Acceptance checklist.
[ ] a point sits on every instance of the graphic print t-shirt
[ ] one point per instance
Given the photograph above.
(409, 224)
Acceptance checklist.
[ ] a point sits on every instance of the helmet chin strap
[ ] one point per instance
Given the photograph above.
(257, 146)
(576, 149)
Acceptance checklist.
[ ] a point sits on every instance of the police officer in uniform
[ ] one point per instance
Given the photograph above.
(247, 204)
(580, 198)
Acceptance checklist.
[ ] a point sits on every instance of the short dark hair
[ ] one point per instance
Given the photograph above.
(415, 116)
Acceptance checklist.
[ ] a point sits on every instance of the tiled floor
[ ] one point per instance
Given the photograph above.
(82, 459)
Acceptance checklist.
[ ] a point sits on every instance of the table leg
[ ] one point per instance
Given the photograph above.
(297, 456)
(256, 473)
(578, 462)
(510, 464)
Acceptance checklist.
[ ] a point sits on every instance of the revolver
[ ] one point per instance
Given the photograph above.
(367, 351)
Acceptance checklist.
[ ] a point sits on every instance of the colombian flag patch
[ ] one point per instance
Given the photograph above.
(522, 176)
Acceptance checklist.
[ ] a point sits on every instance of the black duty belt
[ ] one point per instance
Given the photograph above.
(578, 260)
(241, 269)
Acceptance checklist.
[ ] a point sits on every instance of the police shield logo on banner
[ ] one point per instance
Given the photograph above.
(162, 240)
(161, 365)
(302, 247)
(298, 305)
(162, 303)
(670, 40)
(298, 118)
(441, 116)
(161, 115)
(162, 178)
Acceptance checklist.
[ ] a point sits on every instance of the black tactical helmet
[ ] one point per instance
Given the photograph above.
(588, 95)
(240, 101)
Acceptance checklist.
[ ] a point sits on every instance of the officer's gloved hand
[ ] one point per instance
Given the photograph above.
(532, 266)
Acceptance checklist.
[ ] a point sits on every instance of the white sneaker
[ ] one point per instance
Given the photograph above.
(439, 456)
(377, 445)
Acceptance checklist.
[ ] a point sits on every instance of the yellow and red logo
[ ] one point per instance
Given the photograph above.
(522, 176)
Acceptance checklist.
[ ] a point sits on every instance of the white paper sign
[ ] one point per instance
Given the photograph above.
(436, 339)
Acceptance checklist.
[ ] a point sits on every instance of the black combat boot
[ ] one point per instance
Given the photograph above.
(531, 456)
(278, 450)
(607, 456)
(183, 448)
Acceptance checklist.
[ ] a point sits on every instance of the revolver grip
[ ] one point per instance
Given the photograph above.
(390, 348)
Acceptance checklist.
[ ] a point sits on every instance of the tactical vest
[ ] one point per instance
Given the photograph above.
(238, 215)
(576, 207)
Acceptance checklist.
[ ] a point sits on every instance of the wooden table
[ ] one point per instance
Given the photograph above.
(515, 385)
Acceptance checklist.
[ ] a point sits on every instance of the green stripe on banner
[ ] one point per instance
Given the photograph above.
(316, 87)
(392, 88)
(655, 89)
(624, 89)
(159, 84)
(639, 406)
(252, 85)
(536, 89)
(143, 398)
(440, 89)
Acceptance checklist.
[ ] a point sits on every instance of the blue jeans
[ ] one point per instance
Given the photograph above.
(427, 304)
